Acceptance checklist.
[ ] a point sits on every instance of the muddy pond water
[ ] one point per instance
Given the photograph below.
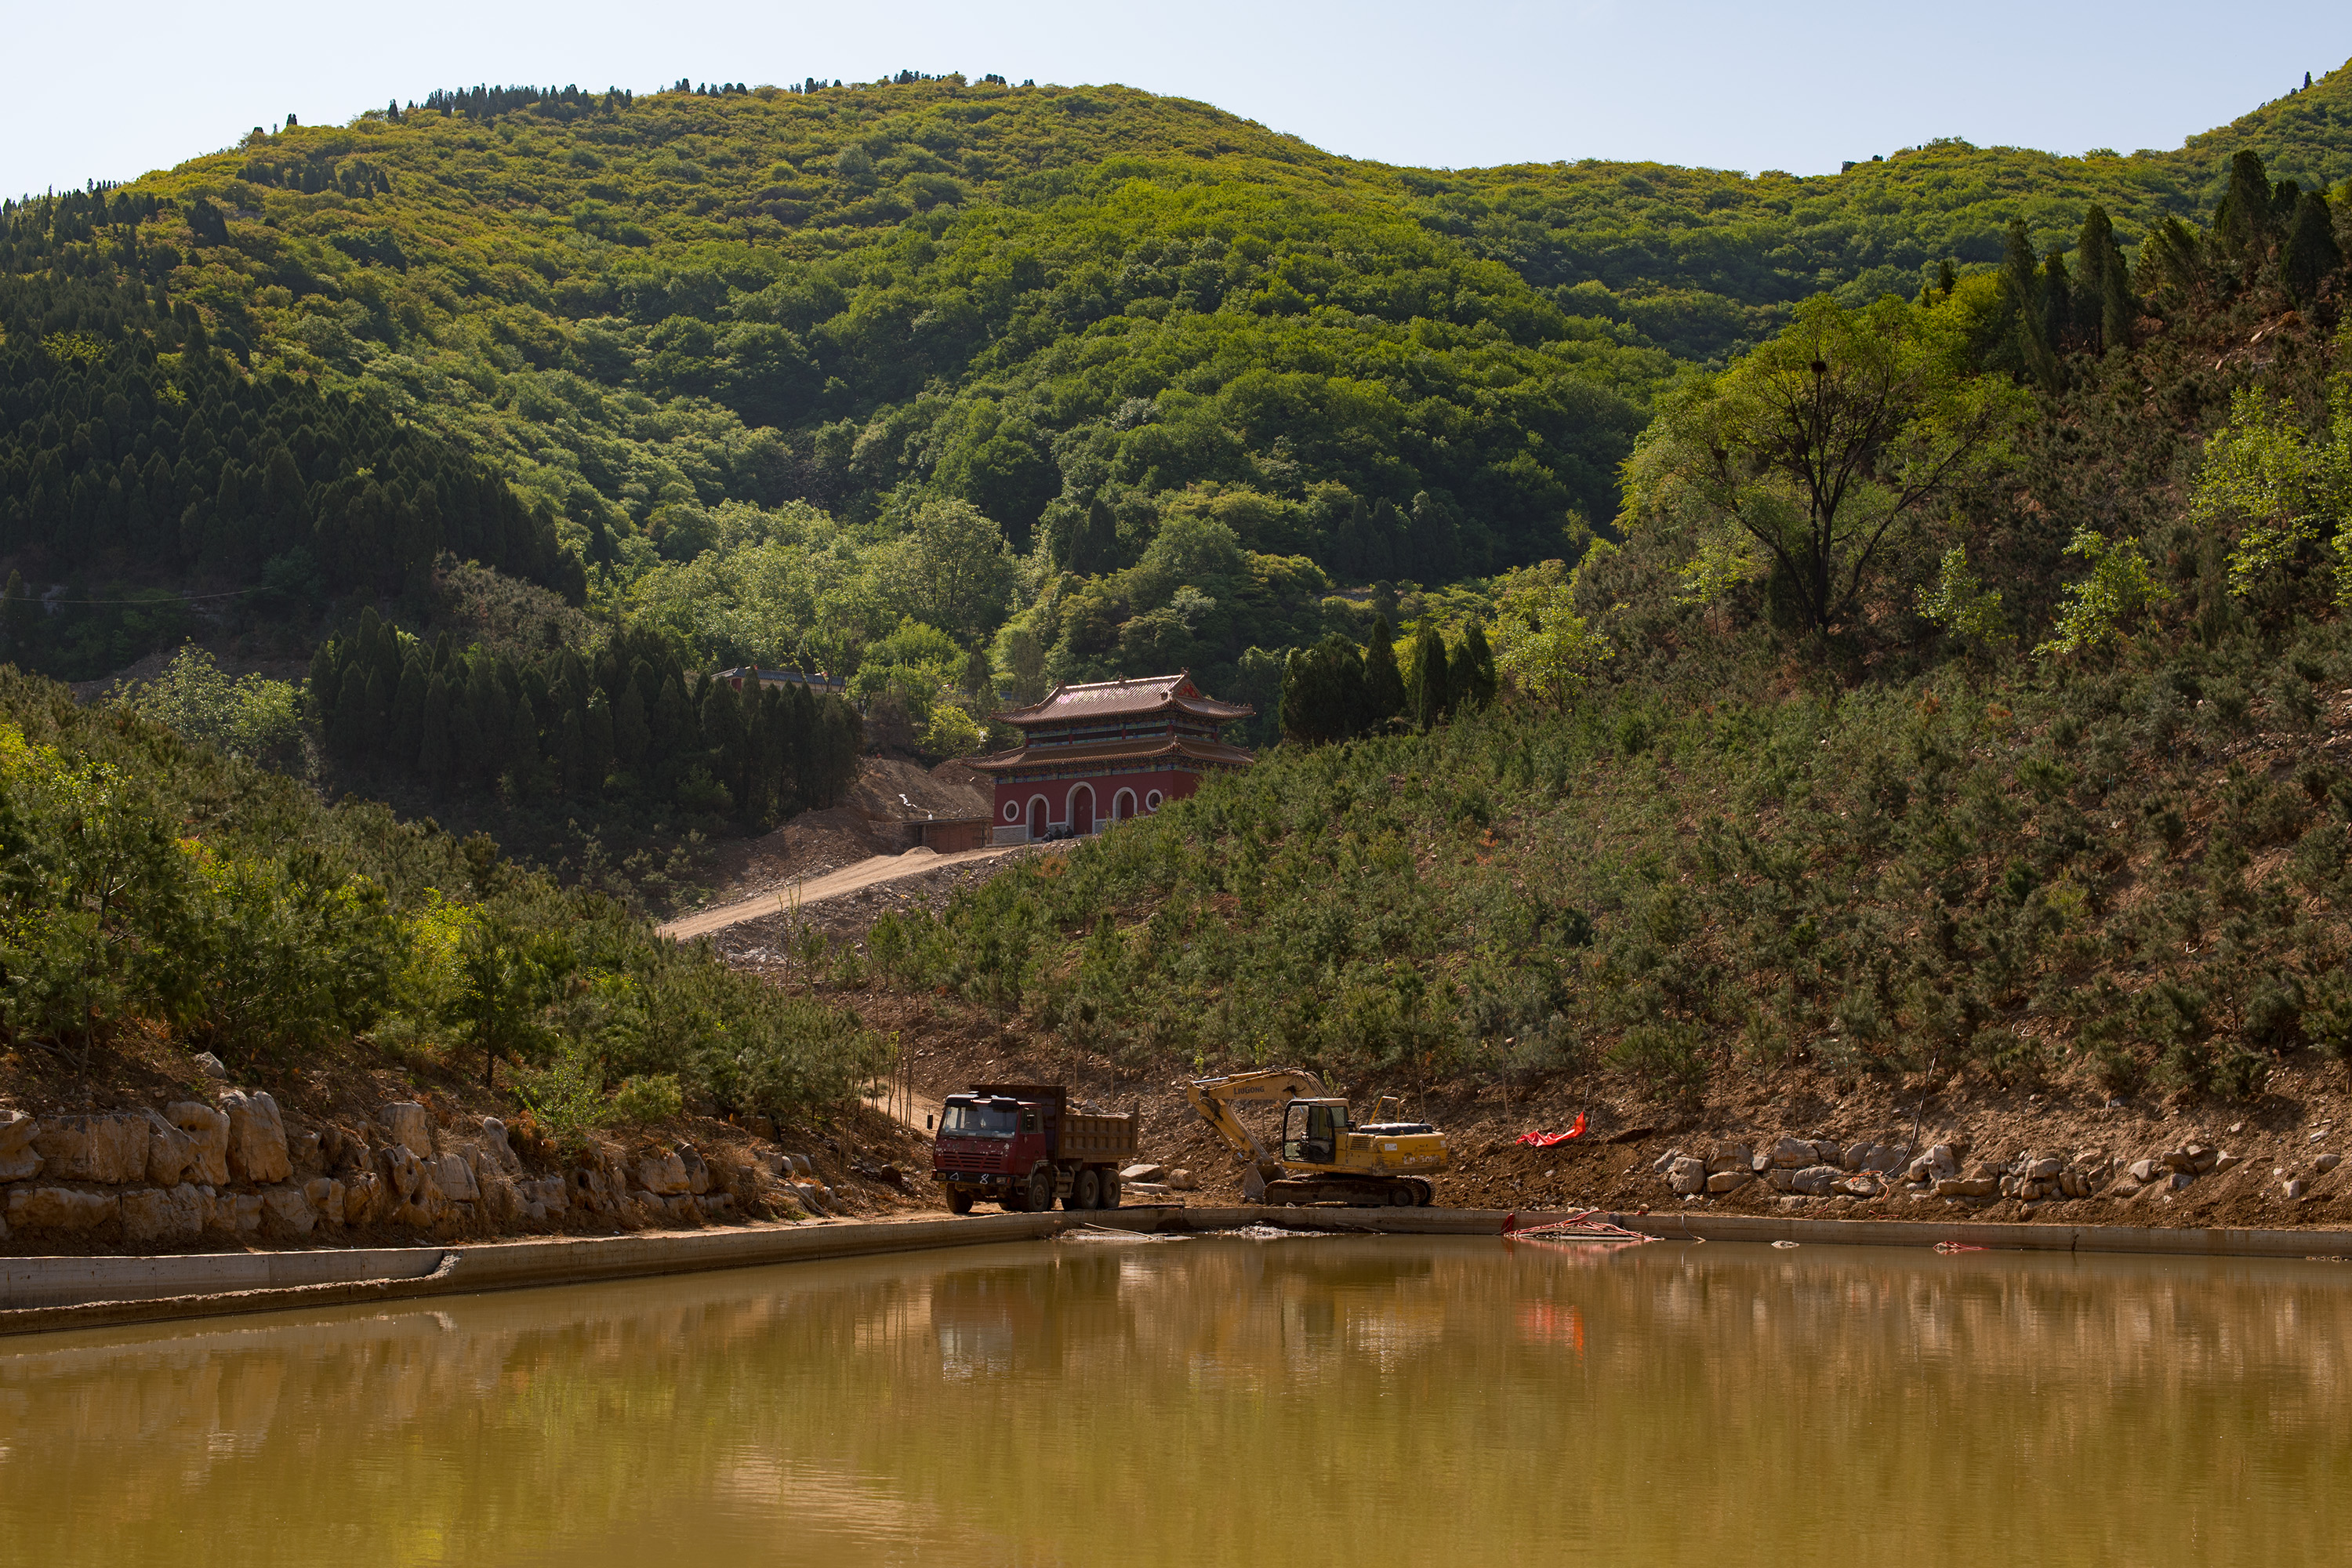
(1353, 1400)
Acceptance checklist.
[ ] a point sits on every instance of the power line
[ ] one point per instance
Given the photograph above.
(184, 598)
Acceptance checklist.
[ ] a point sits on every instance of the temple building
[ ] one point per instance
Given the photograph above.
(1095, 754)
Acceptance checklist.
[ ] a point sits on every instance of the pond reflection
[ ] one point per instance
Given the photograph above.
(1221, 1400)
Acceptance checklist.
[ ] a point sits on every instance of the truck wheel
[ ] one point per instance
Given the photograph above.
(1086, 1191)
(1106, 1190)
(1403, 1196)
(1041, 1189)
(959, 1200)
(1425, 1192)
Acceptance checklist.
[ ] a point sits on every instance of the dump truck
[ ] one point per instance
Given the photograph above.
(1322, 1154)
(1023, 1145)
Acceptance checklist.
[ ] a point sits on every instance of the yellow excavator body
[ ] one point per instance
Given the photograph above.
(1322, 1153)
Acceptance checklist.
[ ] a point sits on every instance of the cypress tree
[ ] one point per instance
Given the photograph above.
(2105, 303)
(2026, 352)
(2311, 255)
(631, 734)
(2243, 223)
(570, 752)
(347, 732)
(522, 758)
(444, 650)
(596, 741)
(408, 712)
(433, 746)
(1430, 701)
(1383, 688)
(675, 731)
(2057, 302)
(1472, 678)
(322, 689)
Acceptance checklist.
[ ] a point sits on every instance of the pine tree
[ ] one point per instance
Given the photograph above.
(1945, 279)
(2311, 255)
(1472, 678)
(1383, 688)
(1429, 697)
(676, 731)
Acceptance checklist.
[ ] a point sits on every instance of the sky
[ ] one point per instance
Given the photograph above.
(1797, 86)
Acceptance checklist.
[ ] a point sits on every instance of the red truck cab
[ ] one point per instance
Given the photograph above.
(1022, 1146)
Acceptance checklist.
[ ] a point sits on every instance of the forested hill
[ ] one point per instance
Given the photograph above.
(1025, 295)
(725, 346)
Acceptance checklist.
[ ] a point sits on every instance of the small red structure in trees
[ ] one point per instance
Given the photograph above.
(1107, 751)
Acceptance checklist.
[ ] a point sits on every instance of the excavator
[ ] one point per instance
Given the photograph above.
(1322, 1156)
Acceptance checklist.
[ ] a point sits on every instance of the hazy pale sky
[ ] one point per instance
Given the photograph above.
(110, 93)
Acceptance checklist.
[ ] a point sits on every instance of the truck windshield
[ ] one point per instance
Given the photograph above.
(966, 1119)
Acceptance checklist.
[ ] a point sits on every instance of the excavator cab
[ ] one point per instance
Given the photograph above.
(1313, 1129)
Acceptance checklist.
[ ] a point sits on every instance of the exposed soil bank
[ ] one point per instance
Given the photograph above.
(47, 1294)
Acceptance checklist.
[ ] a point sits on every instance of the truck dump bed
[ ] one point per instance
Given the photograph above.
(1081, 1137)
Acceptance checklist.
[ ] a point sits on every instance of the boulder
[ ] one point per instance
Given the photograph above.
(110, 1149)
(61, 1208)
(1728, 1181)
(2326, 1162)
(2181, 1181)
(2044, 1168)
(237, 1213)
(718, 1209)
(1968, 1186)
(2074, 1184)
(1731, 1157)
(1866, 1184)
(163, 1213)
(257, 1138)
(1817, 1181)
(1855, 1157)
(2294, 1188)
(1182, 1180)
(2144, 1170)
(287, 1211)
(325, 1196)
(211, 1067)
(1143, 1172)
(2228, 1162)
(19, 1161)
(455, 1178)
(169, 1152)
(1882, 1160)
(662, 1173)
(403, 1174)
(501, 1204)
(409, 1123)
(697, 1174)
(1687, 1175)
(495, 1141)
(1781, 1179)
(1794, 1154)
(207, 1130)
(364, 1196)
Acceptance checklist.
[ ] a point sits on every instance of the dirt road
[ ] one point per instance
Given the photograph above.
(833, 884)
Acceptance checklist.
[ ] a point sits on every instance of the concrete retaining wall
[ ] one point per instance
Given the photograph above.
(38, 1294)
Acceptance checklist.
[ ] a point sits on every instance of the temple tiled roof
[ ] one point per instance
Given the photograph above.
(1126, 700)
(1142, 748)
